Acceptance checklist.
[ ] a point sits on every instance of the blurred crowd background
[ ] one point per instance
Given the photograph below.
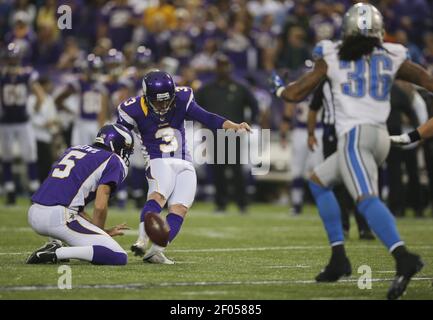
(187, 38)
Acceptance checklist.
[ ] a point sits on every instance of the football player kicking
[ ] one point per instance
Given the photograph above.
(159, 116)
(83, 174)
(361, 69)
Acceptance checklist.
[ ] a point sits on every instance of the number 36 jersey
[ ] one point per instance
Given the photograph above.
(164, 137)
(75, 177)
(361, 89)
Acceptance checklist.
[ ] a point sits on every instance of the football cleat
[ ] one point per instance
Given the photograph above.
(407, 267)
(366, 235)
(156, 256)
(139, 247)
(336, 269)
(45, 254)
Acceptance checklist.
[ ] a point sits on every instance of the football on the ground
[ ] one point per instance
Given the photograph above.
(156, 228)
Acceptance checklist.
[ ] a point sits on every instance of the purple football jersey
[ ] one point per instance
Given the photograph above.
(91, 93)
(165, 136)
(14, 92)
(75, 177)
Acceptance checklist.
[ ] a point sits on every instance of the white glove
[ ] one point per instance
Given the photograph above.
(400, 140)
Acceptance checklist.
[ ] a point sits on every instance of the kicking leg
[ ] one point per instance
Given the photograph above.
(178, 203)
(154, 204)
(161, 178)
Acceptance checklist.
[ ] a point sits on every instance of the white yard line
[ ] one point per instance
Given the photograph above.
(276, 248)
(139, 286)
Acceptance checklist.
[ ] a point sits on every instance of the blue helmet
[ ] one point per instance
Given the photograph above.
(117, 139)
(159, 91)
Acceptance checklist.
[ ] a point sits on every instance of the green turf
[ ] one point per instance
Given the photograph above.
(263, 255)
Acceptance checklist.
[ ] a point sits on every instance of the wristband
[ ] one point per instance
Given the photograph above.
(414, 136)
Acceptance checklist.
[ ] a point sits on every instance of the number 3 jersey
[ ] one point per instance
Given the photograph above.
(75, 177)
(14, 92)
(164, 137)
(361, 89)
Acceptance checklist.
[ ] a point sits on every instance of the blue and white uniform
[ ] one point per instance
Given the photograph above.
(361, 91)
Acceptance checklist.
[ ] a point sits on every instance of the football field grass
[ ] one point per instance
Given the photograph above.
(266, 254)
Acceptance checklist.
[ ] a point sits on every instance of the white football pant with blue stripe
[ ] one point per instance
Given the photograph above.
(359, 154)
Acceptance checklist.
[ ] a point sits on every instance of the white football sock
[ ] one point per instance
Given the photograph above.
(82, 253)
(297, 196)
(141, 233)
(155, 247)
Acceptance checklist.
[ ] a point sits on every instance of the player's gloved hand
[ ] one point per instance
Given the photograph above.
(276, 84)
(400, 140)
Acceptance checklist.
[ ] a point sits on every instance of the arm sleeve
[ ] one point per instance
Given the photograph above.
(113, 174)
(208, 119)
(124, 118)
(317, 101)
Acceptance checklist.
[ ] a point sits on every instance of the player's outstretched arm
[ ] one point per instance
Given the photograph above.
(243, 126)
(415, 74)
(298, 90)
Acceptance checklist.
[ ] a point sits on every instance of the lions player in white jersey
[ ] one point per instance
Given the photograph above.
(361, 69)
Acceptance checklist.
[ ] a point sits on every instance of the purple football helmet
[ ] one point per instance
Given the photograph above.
(143, 56)
(159, 91)
(117, 139)
(114, 61)
(94, 63)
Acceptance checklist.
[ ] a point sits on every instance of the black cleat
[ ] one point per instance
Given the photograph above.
(46, 254)
(137, 250)
(407, 267)
(336, 269)
(366, 235)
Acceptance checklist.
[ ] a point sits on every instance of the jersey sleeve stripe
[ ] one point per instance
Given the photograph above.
(191, 96)
(126, 117)
(144, 106)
